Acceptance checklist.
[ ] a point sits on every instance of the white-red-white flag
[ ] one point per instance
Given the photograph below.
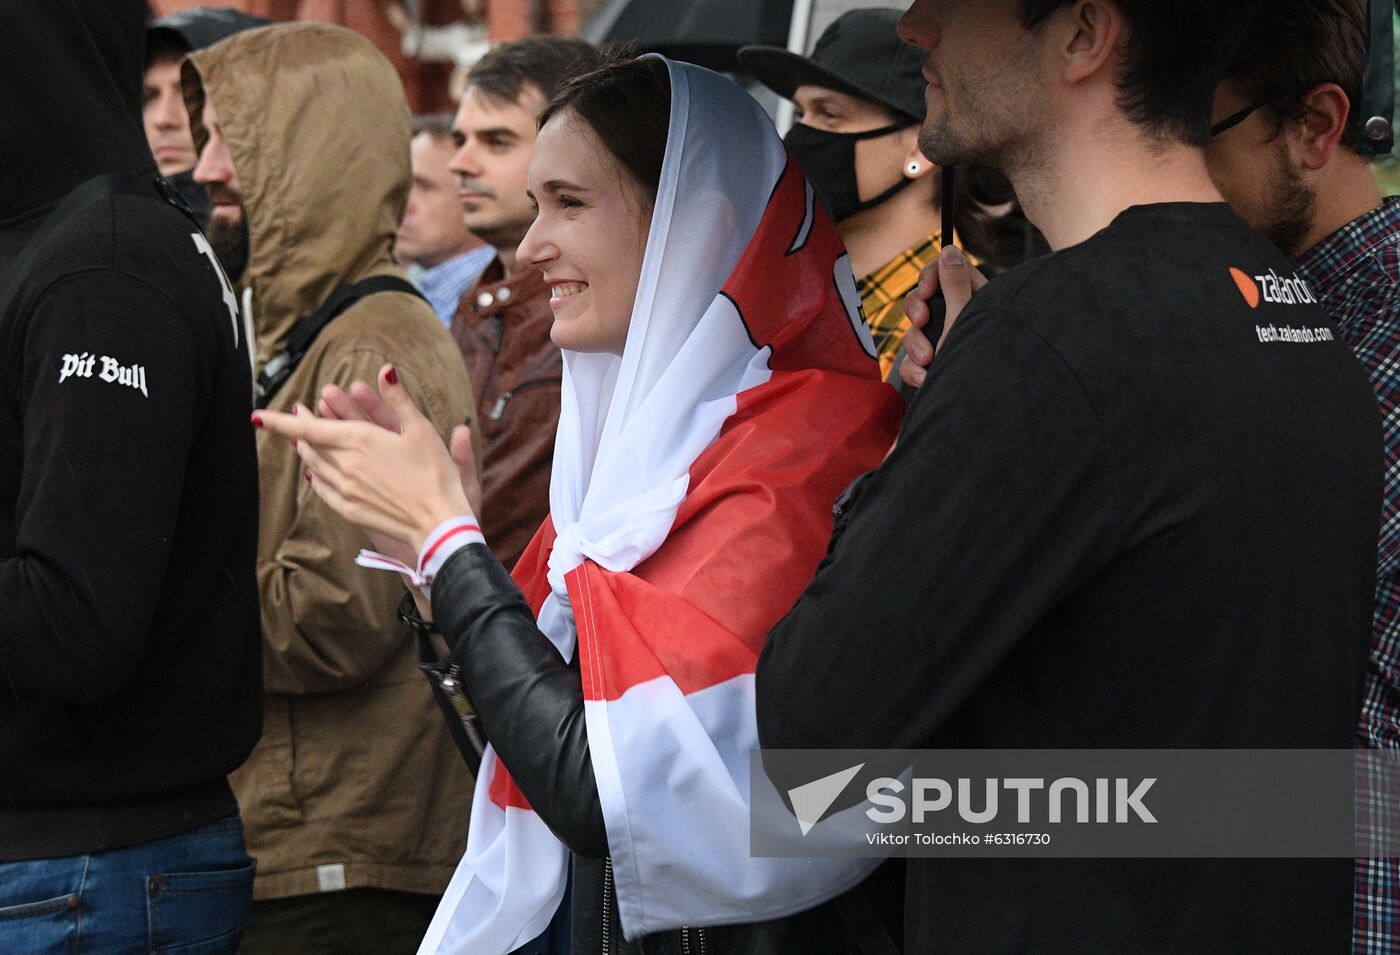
(690, 504)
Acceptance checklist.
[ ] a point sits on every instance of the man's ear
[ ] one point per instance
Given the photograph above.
(1087, 35)
(1315, 139)
(916, 165)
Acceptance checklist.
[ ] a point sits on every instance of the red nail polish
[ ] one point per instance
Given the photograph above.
(257, 421)
(308, 475)
(391, 376)
(295, 409)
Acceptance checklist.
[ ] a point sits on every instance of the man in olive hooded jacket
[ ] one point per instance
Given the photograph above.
(355, 801)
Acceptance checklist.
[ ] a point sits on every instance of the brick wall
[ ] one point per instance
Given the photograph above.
(514, 19)
(424, 83)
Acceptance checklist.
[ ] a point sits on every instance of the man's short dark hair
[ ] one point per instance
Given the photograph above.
(1176, 54)
(164, 46)
(1294, 46)
(543, 62)
(436, 125)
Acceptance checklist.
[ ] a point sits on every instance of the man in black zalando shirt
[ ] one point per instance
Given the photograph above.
(1134, 504)
(130, 674)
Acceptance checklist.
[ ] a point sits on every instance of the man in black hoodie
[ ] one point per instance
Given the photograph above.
(130, 677)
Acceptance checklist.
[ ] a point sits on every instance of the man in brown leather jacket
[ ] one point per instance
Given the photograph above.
(502, 325)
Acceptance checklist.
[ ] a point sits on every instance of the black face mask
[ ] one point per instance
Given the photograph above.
(829, 160)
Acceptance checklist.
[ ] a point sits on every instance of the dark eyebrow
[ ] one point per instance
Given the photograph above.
(559, 185)
(501, 131)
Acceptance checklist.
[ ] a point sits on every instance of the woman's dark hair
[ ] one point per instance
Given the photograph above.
(627, 103)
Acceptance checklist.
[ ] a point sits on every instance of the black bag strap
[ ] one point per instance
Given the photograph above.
(281, 365)
(444, 681)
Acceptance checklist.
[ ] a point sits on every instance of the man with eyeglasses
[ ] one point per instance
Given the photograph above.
(1287, 107)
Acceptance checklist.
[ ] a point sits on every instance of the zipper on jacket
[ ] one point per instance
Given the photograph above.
(499, 408)
(702, 940)
(607, 906)
(451, 684)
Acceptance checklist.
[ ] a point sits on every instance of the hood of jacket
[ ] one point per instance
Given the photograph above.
(317, 125)
(71, 98)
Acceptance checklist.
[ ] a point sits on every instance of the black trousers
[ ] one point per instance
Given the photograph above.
(368, 921)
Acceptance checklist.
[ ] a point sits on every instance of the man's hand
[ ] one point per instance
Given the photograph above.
(959, 282)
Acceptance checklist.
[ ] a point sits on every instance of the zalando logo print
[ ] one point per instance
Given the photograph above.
(1273, 288)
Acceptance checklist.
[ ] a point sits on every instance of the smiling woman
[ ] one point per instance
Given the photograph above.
(592, 284)
(596, 170)
(719, 392)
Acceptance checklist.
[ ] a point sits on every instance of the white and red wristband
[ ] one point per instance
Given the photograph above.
(445, 540)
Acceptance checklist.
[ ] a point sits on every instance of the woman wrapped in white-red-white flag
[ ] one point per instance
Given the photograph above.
(720, 391)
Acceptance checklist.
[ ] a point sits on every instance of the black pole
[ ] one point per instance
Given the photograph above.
(950, 182)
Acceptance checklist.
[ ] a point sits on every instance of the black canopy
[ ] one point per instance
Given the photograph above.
(706, 32)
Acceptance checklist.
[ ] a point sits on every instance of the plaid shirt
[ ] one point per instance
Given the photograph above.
(882, 298)
(1356, 273)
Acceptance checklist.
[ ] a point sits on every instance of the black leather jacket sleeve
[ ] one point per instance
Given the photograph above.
(529, 701)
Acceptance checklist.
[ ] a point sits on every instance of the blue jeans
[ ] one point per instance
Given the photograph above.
(188, 894)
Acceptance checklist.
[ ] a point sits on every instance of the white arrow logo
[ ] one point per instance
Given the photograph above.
(230, 302)
(811, 800)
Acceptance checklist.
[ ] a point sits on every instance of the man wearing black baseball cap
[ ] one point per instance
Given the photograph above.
(859, 104)
(163, 103)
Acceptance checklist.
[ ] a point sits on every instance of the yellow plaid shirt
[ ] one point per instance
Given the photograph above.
(882, 297)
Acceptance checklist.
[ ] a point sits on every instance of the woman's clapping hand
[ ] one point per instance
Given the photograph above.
(378, 462)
